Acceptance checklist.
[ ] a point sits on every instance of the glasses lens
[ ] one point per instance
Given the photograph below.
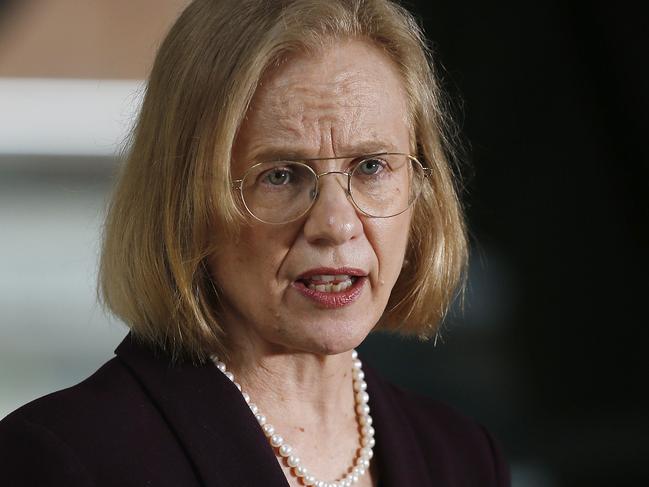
(387, 184)
(278, 192)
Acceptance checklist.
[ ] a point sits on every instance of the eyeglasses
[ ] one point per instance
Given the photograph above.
(379, 186)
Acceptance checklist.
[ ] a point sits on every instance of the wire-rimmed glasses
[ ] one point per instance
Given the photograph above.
(379, 185)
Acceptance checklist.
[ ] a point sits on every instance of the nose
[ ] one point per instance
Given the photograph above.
(333, 219)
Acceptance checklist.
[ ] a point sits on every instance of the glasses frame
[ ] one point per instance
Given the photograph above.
(237, 184)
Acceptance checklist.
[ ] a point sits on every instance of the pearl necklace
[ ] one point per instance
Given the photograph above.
(284, 451)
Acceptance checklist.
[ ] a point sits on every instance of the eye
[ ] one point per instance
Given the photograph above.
(277, 176)
(370, 167)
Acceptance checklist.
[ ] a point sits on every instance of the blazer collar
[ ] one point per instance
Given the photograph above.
(222, 438)
(208, 415)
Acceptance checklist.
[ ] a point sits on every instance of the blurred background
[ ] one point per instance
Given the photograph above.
(553, 102)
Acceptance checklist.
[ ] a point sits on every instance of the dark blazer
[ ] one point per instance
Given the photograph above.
(138, 421)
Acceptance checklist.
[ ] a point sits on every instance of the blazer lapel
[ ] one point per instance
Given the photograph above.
(400, 459)
(223, 441)
(209, 417)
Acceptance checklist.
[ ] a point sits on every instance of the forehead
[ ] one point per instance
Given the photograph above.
(347, 97)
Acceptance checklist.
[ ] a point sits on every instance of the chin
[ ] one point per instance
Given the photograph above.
(335, 339)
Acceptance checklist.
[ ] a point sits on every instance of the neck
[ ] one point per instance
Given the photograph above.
(302, 388)
(310, 397)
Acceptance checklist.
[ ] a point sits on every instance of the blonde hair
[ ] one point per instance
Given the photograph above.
(173, 201)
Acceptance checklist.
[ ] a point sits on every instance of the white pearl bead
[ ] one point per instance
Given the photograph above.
(364, 419)
(309, 480)
(285, 450)
(363, 409)
(269, 429)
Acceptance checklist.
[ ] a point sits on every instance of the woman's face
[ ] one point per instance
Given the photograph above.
(346, 100)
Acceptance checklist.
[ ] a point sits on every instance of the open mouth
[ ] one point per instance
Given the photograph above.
(329, 283)
(331, 287)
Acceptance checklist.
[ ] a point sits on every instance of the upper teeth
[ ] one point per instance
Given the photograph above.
(342, 282)
(330, 278)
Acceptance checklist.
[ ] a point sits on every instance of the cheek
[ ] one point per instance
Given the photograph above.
(254, 258)
(389, 238)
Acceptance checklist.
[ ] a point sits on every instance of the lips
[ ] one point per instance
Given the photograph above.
(325, 279)
(331, 287)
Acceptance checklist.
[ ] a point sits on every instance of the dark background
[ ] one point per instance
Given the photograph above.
(553, 100)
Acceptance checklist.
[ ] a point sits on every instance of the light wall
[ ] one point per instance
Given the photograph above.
(71, 80)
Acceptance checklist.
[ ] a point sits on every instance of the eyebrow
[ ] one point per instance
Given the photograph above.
(292, 154)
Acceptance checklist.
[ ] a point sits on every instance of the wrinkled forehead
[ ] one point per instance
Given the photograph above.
(329, 102)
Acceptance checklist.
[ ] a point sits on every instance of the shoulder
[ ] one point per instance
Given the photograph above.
(88, 434)
(44, 438)
(91, 404)
(432, 417)
(454, 443)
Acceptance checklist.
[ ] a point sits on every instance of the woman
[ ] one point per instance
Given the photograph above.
(286, 192)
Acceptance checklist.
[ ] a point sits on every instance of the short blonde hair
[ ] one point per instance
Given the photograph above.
(173, 201)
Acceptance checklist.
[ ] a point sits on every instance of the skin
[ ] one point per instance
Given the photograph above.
(291, 355)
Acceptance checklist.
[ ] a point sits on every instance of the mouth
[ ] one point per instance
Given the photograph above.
(329, 283)
(331, 288)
